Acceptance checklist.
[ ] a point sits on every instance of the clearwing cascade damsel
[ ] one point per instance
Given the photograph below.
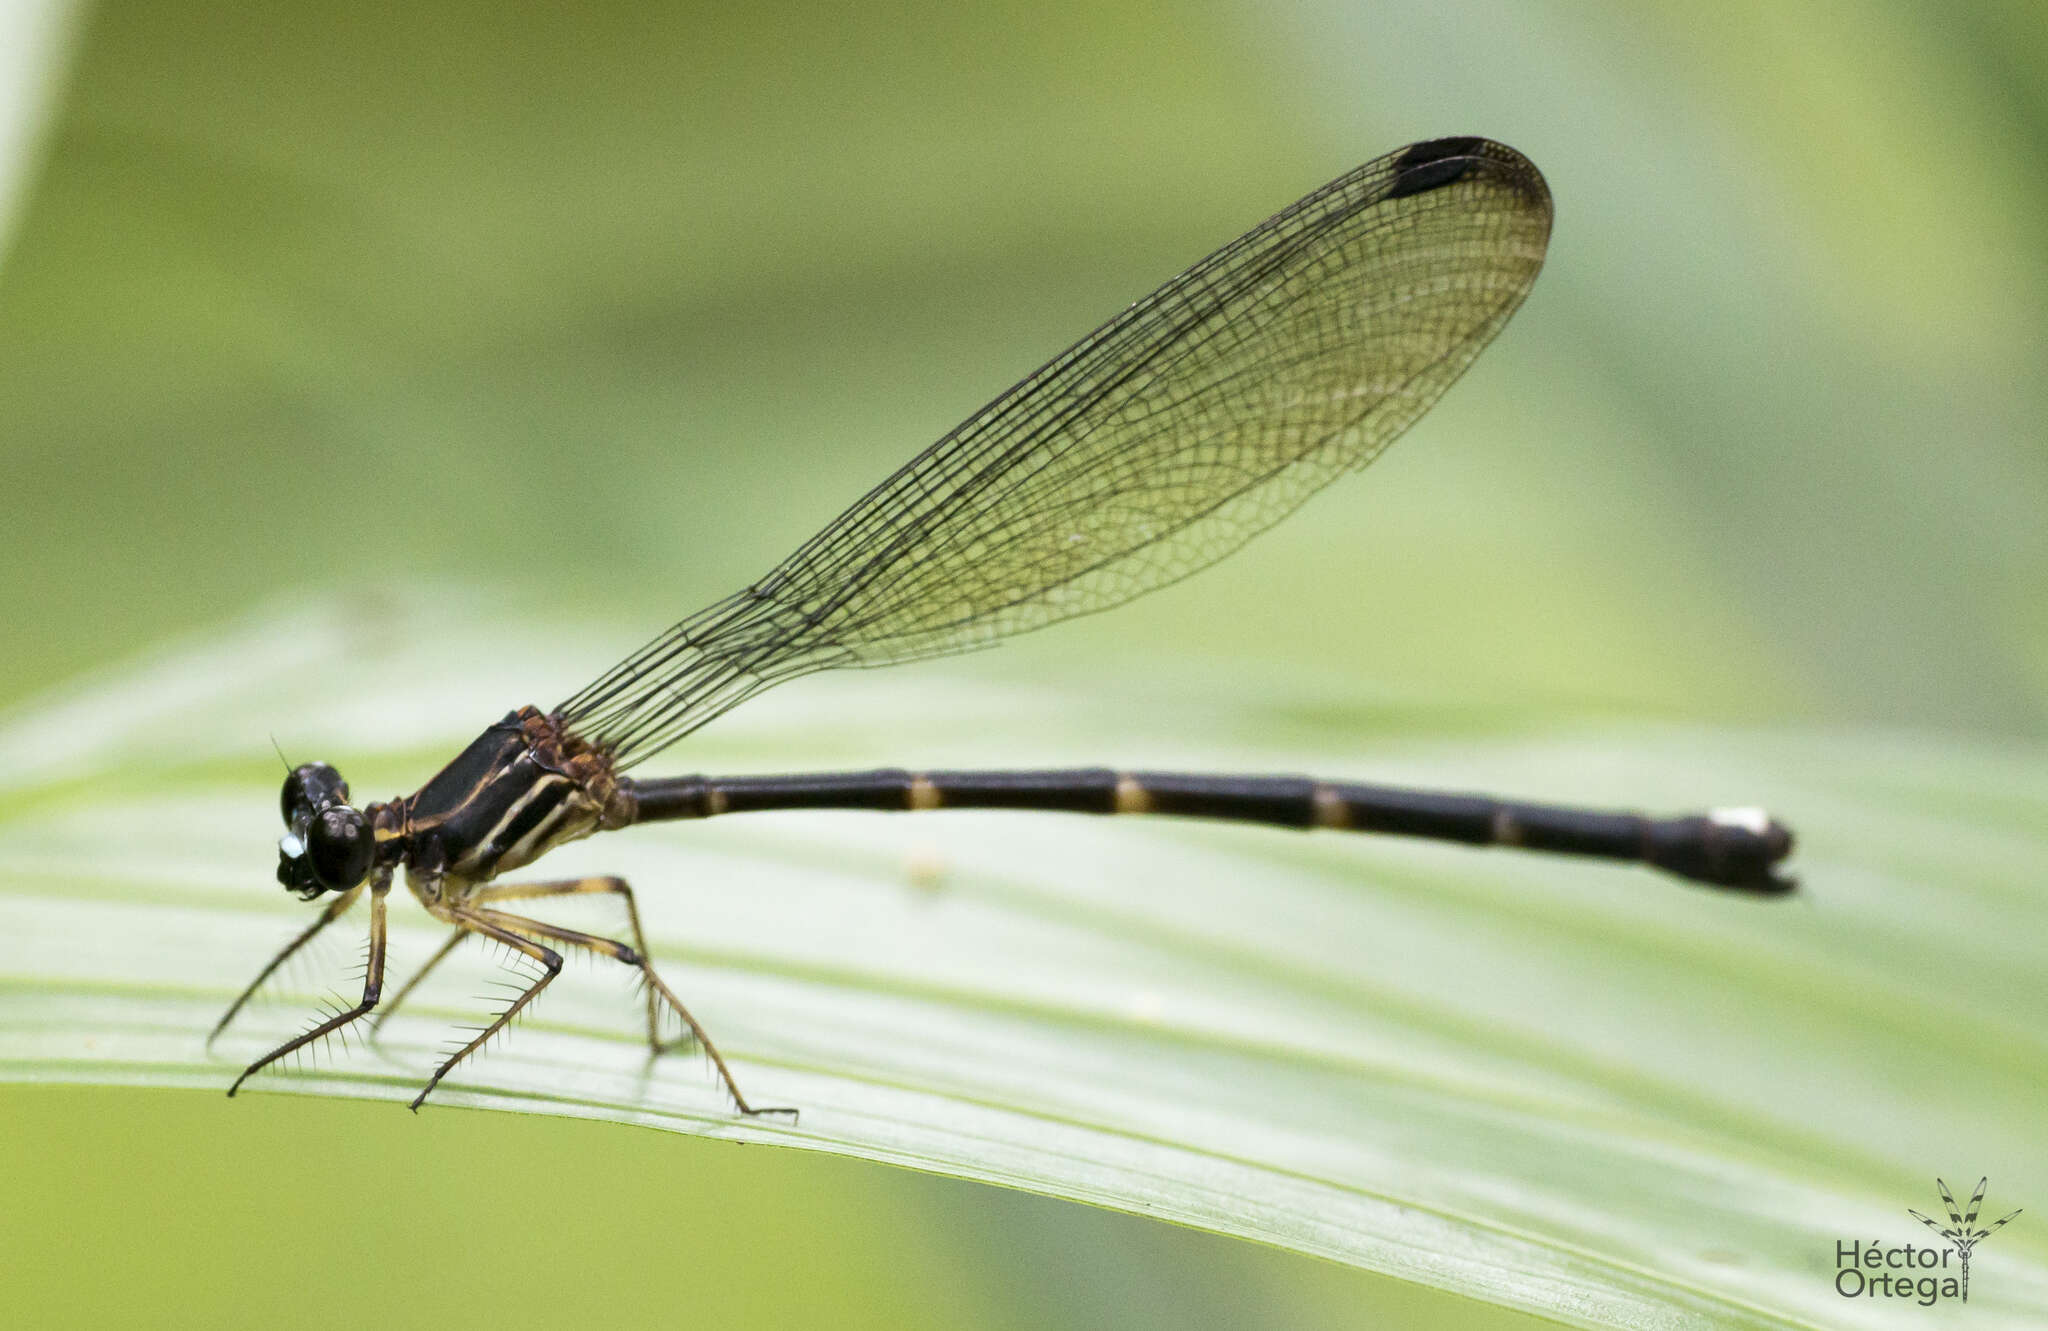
(1156, 445)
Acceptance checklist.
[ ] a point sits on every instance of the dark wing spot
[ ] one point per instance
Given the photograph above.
(1433, 164)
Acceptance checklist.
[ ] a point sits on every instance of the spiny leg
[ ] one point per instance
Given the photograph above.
(522, 891)
(697, 1032)
(476, 922)
(377, 1022)
(639, 960)
(334, 910)
(571, 887)
(373, 984)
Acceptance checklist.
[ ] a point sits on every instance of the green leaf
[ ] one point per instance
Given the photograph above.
(1567, 1088)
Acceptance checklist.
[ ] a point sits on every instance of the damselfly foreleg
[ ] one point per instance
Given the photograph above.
(333, 911)
(384, 1014)
(373, 984)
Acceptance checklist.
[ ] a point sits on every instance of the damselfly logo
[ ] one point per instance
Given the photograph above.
(1962, 1232)
(1907, 1271)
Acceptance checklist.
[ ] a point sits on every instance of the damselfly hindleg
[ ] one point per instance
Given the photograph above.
(560, 887)
(636, 956)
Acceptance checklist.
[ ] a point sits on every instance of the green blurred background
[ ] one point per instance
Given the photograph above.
(619, 302)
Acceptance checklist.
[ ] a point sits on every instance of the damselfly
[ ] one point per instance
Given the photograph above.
(1153, 447)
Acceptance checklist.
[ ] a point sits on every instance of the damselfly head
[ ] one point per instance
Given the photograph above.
(310, 788)
(327, 845)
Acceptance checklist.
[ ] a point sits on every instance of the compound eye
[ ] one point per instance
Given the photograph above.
(309, 789)
(339, 847)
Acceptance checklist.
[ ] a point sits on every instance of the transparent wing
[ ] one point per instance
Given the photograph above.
(1155, 446)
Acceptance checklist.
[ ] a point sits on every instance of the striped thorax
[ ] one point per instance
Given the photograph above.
(519, 790)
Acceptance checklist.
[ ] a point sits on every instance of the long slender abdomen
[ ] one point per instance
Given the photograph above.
(1727, 849)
